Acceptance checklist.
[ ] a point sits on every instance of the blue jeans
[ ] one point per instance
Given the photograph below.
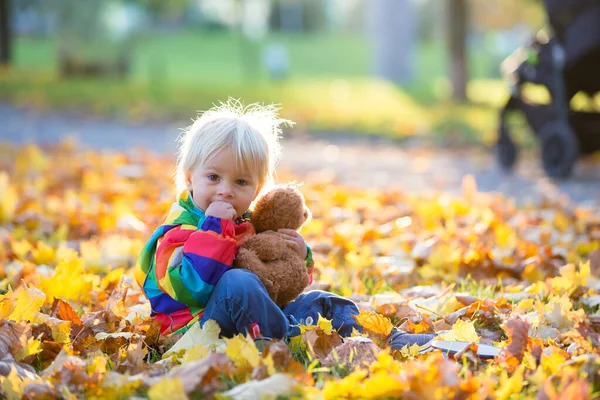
(240, 300)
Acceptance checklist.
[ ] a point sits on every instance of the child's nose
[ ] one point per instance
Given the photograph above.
(226, 190)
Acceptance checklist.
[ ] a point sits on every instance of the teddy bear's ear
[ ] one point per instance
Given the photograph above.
(307, 215)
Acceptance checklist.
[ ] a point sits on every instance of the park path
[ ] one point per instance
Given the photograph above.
(359, 162)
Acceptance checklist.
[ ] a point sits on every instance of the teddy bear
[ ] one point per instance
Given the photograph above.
(281, 270)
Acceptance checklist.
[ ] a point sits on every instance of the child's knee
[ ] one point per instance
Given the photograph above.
(239, 280)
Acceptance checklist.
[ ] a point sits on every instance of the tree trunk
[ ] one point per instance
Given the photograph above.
(458, 27)
(5, 37)
(392, 33)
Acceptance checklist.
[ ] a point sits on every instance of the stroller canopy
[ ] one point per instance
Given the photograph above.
(576, 24)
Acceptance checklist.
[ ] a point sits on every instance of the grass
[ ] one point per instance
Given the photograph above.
(328, 87)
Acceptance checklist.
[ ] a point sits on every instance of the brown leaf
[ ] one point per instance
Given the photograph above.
(584, 336)
(353, 352)
(40, 391)
(595, 263)
(203, 374)
(284, 362)
(517, 331)
(10, 334)
(469, 353)
(466, 299)
(579, 389)
(280, 353)
(116, 301)
(454, 316)
(319, 343)
(547, 392)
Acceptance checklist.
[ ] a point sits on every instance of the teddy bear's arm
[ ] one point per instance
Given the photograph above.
(247, 259)
(267, 246)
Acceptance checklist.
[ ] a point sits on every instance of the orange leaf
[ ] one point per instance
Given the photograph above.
(374, 322)
(63, 310)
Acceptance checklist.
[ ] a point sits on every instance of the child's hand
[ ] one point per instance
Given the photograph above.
(295, 241)
(220, 209)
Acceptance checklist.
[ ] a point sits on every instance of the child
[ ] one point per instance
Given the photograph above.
(226, 157)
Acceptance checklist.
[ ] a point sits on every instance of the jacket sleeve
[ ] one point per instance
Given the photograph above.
(310, 264)
(190, 260)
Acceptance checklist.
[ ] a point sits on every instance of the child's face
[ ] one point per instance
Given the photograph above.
(219, 180)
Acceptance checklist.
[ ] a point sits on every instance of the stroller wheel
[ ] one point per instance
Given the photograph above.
(506, 153)
(559, 150)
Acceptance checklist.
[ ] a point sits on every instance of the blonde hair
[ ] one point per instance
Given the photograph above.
(252, 131)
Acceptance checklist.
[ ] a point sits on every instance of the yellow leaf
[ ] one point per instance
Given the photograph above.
(197, 352)
(113, 276)
(99, 365)
(207, 335)
(21, 248)
(12, 385)
(344, 388)
(382, 385)
(463, 331)
(511, 385)
(410, 351)
(169, 388)
(22, 304)
(561, 221)
(61, 330)
(325, 325)
(69, 282)
(242, 350)
(374, 322)
(30, 159)
(33, 346)
(43, 254)
(505, 236)
(552, 363)
(8, 198)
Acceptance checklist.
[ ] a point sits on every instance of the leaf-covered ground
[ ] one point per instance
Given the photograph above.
(475, 268)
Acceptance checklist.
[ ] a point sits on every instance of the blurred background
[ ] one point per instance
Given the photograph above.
(383, 92)
(394, 68)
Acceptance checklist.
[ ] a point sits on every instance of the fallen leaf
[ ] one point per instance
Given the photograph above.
(354, 352)
(278, 385)
(319, 344)
(463, 331)
(516, 329)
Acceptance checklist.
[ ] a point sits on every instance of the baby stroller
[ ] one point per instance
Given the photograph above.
(566, 61)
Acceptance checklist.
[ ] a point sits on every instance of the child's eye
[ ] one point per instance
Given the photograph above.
(213, 177)
(242, 182)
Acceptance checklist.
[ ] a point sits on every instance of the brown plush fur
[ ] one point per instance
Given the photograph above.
(279, 268)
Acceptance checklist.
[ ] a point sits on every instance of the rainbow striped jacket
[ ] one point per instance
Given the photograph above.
(183, 260)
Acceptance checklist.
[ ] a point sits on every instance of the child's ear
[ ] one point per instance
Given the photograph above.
(188, 181)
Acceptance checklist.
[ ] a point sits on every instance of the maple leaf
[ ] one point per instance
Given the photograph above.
(242, 350)
(69, 282)
(22, 304)
(63, 310)
(374, 322)
(463, 331)
(319, 344)
(516, 329)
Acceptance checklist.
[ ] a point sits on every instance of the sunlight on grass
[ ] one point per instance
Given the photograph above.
(174, 75)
